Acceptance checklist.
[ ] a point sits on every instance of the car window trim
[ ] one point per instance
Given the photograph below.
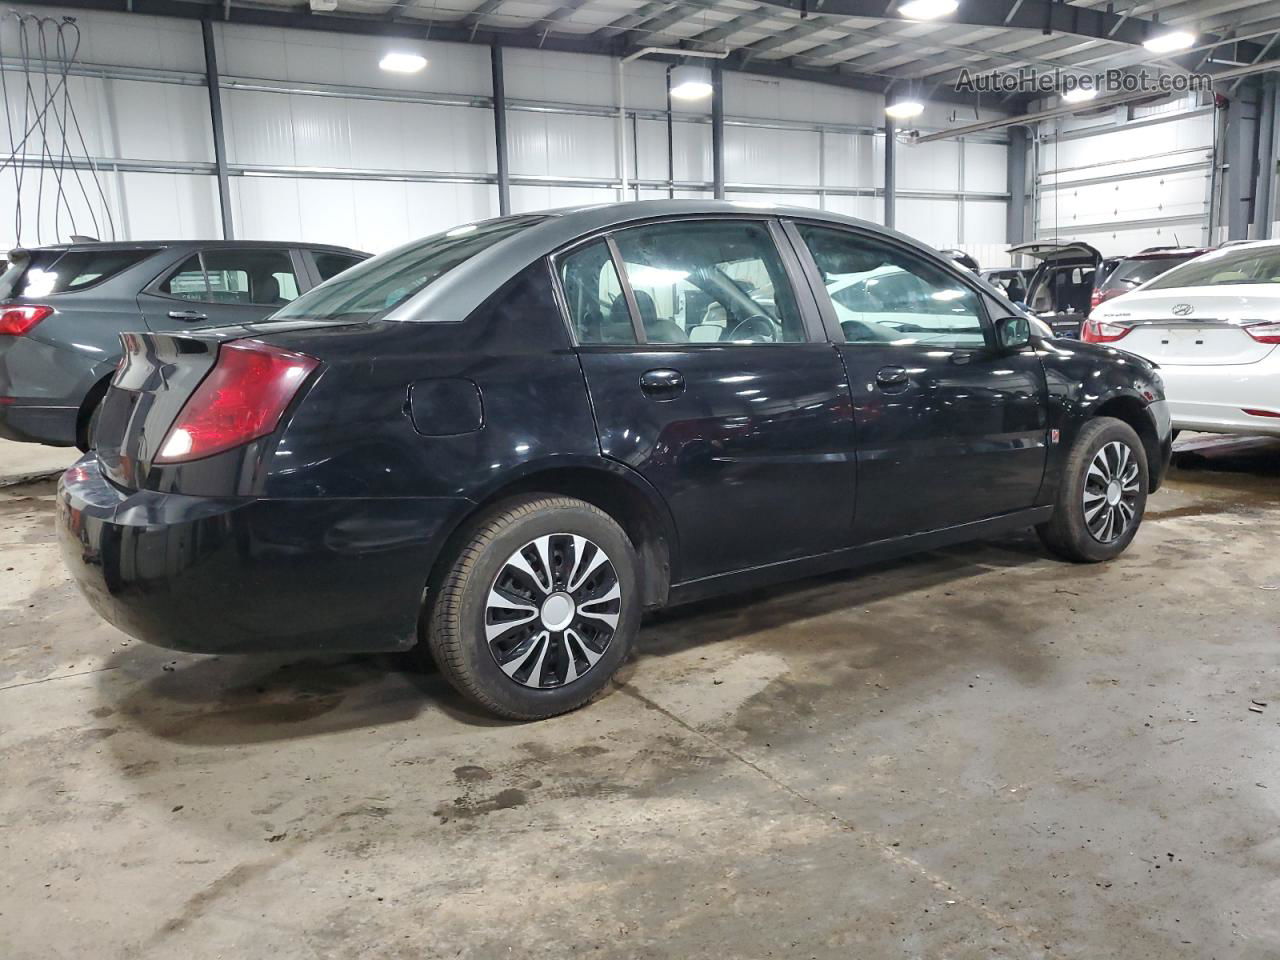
(791, 268)
(827, 308)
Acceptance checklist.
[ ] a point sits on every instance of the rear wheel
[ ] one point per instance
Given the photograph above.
(538, 609)
(1102, 494)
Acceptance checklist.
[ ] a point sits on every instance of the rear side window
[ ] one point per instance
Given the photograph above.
(248, 277)
(57, 271)
(381, 283)
(597, 307)
(329, 265)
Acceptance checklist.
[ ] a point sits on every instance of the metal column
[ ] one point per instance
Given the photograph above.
(671, 144)
(717, 131)
(1016, 218)
(1242, 159)
(890, 178)
(1264, 192)
(500, 129)
(219, 140)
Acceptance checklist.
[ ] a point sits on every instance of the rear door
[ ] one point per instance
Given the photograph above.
(709, 374)
(949, 430)
(223, 285)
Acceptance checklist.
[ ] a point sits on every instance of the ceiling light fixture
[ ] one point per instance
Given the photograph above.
(927, 9)
(402, 62)
(1169, 42)
(1079, 94)
(690, 82)
(904, 109)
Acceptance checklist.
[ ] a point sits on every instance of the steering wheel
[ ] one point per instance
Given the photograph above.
(755, 327)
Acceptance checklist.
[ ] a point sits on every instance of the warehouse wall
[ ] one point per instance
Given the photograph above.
(325, 146)
(1130, 178)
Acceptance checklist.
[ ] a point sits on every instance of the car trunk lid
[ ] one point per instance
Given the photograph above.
(158, 373)
(1192, 326)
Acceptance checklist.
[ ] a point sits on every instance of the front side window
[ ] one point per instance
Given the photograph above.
(379, 284)
(1230, 267)
(709, 282)
(248, 277)
(882, 294)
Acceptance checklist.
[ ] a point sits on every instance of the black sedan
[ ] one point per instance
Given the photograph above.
(502, 444)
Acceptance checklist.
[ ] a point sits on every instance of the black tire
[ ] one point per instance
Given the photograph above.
(1068, 533)
(562, 678)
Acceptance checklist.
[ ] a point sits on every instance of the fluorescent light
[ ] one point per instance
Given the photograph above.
(1169, 42)
(1079, 95)
(402, 62)
(904, 109)
(690, 83)
(927, 9)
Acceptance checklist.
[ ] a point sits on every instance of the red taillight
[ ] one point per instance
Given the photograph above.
(241, 399)
(15, 321)
(1099, 331)
(1095, 298)
(1260, 413)
(1268, 332)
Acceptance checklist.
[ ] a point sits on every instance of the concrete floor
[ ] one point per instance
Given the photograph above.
(979, 752)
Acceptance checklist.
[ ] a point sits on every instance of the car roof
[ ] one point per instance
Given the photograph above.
(465, 287)
(1168, 253)
(108, 245)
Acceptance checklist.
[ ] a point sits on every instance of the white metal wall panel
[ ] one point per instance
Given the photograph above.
(864, 208)
(130, 41)
(166, 206)
(929, 166)
(561, 145)
(985, 221)
(986, 167)
(765, 155)
(526, 198)
(849, 161)
(936, 222)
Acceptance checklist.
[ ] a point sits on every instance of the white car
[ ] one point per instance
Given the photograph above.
(1213, 326)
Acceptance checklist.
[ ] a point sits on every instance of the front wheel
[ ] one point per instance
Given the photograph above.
(1101, 496)
(538, 609)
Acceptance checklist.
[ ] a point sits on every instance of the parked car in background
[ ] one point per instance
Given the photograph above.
(1213, 326)
(63, 308)
(1062, 284)
(1128, 273)
(505, 442)
(1010, 281)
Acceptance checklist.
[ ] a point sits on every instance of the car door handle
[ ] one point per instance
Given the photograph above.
(189, 316)
(891, 376)
(664, 384)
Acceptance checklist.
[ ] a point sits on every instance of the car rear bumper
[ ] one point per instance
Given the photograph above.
(1215, 398)
(38, 423)
(211, 575)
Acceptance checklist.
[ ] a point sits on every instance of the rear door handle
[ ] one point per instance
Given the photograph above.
(891, 376)
(190, 316)
(662, 384)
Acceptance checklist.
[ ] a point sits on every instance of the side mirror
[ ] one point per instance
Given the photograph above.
(1012, 333)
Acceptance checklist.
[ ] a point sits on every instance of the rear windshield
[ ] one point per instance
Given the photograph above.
(1130, 273)
(1225, 268)
(371, 289)
(45, 272)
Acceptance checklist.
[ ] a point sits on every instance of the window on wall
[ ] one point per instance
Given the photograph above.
(710, 282)
(882, 294)
(260, 277)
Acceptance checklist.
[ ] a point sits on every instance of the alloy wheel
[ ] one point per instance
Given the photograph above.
(1111, 492)
(552, 610)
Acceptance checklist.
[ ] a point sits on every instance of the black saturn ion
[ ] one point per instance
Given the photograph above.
(504, 443)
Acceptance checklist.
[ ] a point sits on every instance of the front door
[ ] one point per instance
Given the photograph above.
(711, 378)
(222, 285)
(948, 429)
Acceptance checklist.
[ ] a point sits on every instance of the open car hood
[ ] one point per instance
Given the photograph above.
(1058, 250)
